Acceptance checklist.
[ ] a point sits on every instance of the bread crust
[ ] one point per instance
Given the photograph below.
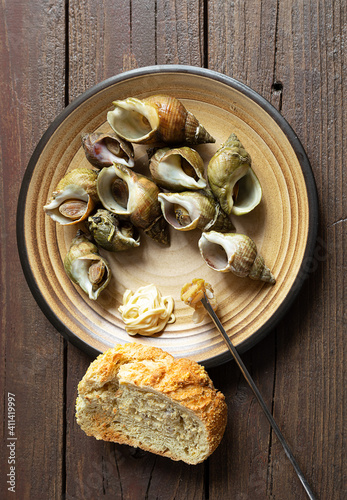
(182, 381)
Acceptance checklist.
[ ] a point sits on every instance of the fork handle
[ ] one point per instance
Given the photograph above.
(257, 394)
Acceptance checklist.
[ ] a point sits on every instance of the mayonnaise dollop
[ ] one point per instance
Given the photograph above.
(146, 311)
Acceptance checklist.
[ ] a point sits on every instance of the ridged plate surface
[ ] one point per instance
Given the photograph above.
(283, 225)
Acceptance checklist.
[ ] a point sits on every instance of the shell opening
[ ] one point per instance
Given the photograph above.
(120, 192)
(108, 150)
(112, 146)
(178, 212)
(69, 206)
(232, 188)
(133, 120)
(215, 255)
(88, 267)
(249, 193)
(128, 230)
(188, 169)
(176, 169)
(128, 235)
(217, 251)
(113, 191)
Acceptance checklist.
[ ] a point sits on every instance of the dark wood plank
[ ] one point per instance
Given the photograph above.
(102, 36)
(299, 62)
(98, 42)
(241, 41)
(311, 64)
(32, 82)
(180, 32)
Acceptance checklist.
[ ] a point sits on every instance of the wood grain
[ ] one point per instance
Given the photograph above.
(180, 32)
(32, 38)
(241, 41)
(309, 34)
(292, 53)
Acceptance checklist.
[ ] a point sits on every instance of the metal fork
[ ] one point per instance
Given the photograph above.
(205, 302)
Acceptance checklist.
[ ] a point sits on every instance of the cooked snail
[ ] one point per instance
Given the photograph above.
(126, 193)
(232, 180)
(194, 209)
(102, 150)
(85, 267)
(112, 233)
(74, 197)
(236, 253)
(158, 118)
(178, 169)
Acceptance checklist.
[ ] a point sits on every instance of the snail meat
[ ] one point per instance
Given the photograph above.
(192, 293)
(74, 197)
(85, 267)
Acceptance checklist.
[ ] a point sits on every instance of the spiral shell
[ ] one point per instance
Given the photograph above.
(112, 233)
(178, 169)
(236, 253)
(232, 180)
(193, 209)
(158, 118)
(102, 150)
(128, 194)
(74, 197)
(85, 267)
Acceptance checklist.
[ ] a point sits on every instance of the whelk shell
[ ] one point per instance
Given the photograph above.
(85, 267)
(194, 209)
(232, 179)
(236, 253)
(74, 197)
(128, 194)
(178, 169)
(112, 233)
(158, 118)
(102, 150)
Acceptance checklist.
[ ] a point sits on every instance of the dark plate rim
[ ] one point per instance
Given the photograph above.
(269, 109)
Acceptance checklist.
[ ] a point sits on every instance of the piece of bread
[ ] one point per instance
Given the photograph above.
(142, 396)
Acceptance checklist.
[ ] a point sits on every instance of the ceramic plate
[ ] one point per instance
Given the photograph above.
(283, 225)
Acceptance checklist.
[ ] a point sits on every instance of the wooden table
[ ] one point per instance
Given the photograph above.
(289, 51)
